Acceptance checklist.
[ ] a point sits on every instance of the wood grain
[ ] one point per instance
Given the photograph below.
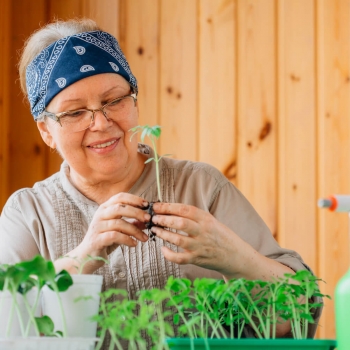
(217, 82)
(257, 119)
(27, 150)
(333, 101)
(5, 16)
(297, 128)
(178, 78)
(139, 34)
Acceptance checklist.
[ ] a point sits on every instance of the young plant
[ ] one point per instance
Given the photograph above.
(153, 133)
(129, 320)
(33, 275)
(82, 262)
(206, 306)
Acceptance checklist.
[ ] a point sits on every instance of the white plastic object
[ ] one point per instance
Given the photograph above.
(48, 343)
(77, 313)
(5, 310)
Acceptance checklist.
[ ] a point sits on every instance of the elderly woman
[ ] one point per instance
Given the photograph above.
(83, 97)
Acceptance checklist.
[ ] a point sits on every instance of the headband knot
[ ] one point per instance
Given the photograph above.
(69, 60)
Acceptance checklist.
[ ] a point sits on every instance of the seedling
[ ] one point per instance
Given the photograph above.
(129, 320)
(28, 276)
(208, 308)
(240, 302)
(83, 262)
(153, 133)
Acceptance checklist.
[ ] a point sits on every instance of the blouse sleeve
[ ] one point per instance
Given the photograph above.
(19, 227)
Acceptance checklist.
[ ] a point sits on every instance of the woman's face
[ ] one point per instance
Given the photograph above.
(102, 152)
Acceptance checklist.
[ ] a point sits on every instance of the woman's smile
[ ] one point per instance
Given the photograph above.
(104, 146)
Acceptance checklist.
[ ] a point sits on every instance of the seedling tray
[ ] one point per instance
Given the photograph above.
(251, 344)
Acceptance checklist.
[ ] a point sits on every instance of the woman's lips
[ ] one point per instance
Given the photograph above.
(104, 146)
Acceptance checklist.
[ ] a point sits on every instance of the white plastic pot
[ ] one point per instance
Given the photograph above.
(5, 311)
(48, 343)
(77, 313)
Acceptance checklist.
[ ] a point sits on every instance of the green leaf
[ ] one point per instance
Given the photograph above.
(45, 325)
(149, 160)
(145, 132)
(156, 131)
(63, 281)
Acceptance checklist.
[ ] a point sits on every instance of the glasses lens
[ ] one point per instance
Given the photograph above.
(119, 106)
(76, 120)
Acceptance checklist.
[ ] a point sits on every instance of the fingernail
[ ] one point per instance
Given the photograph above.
(145, 204)
(154, 230)
(155, 219)
(145, 237)
(147, 217)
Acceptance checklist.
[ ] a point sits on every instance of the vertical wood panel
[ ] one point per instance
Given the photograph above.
(27, 160)
(257, 106)
(333, 18)
(217, 145)
(178, 78)
(297, 128)
(4, 99)
(104, 12)
(65, 9)
(139, 33)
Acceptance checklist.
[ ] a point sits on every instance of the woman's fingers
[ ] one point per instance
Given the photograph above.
(119, 210)
(178, 223)
(177, 239)
(176, 257)
(126, 198)
(109, 239)
(123, 227)
(178, 209)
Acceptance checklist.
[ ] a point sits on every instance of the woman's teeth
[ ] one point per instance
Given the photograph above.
(103, 145)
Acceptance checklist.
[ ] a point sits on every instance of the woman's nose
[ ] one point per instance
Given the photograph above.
(100, 121)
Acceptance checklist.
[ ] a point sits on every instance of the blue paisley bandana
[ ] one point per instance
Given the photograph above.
(71, 59)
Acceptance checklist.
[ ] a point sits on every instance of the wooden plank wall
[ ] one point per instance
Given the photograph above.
(258, 88)
(4, 100)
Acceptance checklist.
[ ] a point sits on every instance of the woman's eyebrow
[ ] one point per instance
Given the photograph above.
(111, 89)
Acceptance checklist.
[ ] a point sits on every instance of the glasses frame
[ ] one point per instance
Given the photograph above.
(57, 116)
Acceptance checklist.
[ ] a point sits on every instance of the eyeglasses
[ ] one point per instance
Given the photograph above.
(82, 119)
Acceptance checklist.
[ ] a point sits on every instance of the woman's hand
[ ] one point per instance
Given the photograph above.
(208, 243)
(118, 221)
(204, 240)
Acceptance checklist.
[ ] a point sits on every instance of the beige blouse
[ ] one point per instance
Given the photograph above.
(52, 218)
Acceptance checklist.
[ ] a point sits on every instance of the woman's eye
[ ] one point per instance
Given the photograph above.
(77, 113)
(115, 102)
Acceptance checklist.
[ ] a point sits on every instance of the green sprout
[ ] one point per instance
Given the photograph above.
(82, 262)
(208, 308)
(153, 133)
(20, 279)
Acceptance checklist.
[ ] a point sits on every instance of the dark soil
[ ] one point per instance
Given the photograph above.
(150, 224)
